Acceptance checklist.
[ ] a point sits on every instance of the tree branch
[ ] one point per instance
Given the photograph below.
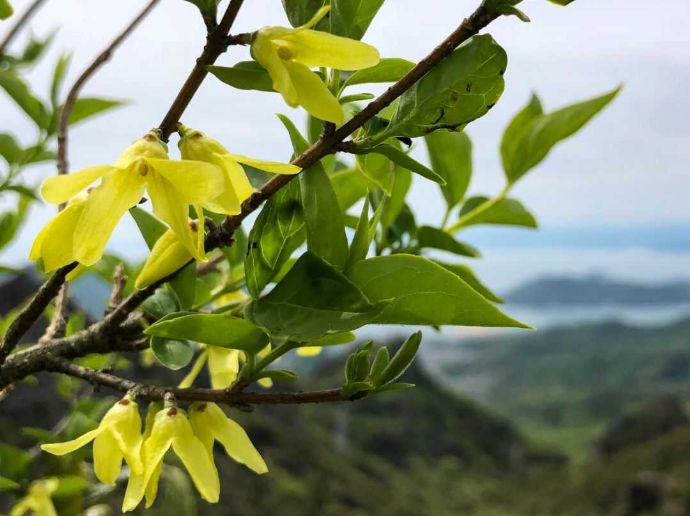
(17, 27)
(158, 392)
(32, 311)
(216, 43)
(101, 59)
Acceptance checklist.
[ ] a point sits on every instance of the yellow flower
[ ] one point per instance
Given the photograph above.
(195, 145)
(172, 429)
(210, 424)
(118, 436)
(37, 499)
(167, 256)
(309, 351)
(173, 186)
(288, 54)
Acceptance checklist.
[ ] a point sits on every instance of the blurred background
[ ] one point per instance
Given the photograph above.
(588, 414)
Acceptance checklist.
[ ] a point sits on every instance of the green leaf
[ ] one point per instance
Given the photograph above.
(351, 18)
(149, 226)
(467, 275)
(70, 485)
(206, 7)
(172, 353)
(58, 78)
(378, 170)
(277, 375)
(10, 221)
(379, 364)
(389, 69)
(5, 483)
(406, 161)
(10, 149)
(183, 284)
(322, 216)
(509, 212)
(461, 88)
(300, 12)
(299, 142)
(393, 204)
(277, 233)
(211, 329)
(160, 304)
(361, 241)
(350, 186)
(5, 9)
(533, 135)
(401, 360)
(87, 107)
(245, 75)
(333, 339)
(422, 292)
(314, 299)
(19, 92)
(13, 461)
(428, 237)
(450, 154)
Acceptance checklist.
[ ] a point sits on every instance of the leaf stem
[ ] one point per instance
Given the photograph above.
(468, 217)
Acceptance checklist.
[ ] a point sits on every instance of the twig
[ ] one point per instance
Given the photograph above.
(17, 27)
(58, 324)
(158, 392)
(119, 283)
(32, 312)
(101, 59)
(216, 43)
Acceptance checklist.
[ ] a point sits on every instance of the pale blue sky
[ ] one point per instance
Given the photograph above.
(632, 165)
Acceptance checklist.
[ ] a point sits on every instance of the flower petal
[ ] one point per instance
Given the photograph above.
(134, 492)
(195, 458)
(157, 444)
(74, 444)
(264, 51)
(313, 94)
(237, 176)
(309, 351)
(152, 487)
(315, 48)
(274, 167)
(195, 181)
(318, 16)
(188, 380)
(167, 256)
(223, 366)
(107, 457)
(59, 189)
(54, 243)
(103, 209)
(235, 440)
(168, 206)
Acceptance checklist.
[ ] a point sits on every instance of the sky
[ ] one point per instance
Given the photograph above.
(630, 167)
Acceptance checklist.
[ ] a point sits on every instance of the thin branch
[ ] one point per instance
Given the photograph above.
(58, 324)
(32, 311)
(216, 43)
(19, 24)
(101, 59)
(158, 392)
(119, 283)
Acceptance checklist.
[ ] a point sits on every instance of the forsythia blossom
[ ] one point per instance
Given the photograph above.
(167, 255)
(210, 424)
(37, 501)
(82, 233)
(171, 429)
(118, 436)
(195, 145)
(288, 54)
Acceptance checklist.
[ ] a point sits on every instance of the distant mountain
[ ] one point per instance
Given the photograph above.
(597, 290)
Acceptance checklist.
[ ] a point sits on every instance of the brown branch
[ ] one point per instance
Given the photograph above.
(101, 59)
(216, 43)
(58, 324)
(19, 24)
(32, 311)
(119, 283)
(158, 392)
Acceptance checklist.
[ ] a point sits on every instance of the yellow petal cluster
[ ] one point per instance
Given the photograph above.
(289, 54)
(81, 232)
(117, 437)
(37, 500)
(195, 145)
